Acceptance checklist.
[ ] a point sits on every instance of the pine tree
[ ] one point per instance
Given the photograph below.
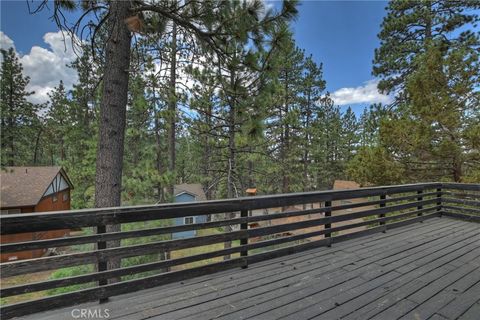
(203, 128)
(284, 118)
(428, 59)
(374, 165)
(19, 120)
(328, 154)
(58, 123)
(312, 88)
(369, 124)
(82, 134)
(349, 136)
(428, 135)
(410, 26)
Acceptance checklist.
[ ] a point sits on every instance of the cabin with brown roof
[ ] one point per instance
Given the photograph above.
(33, 189)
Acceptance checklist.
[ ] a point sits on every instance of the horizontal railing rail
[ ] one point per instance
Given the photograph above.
(94, 217)
(294, 222)
(461, 201)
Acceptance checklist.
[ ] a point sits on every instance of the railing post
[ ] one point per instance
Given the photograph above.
(383, 204)
(244, 241)
(102, 265)
(439, 201)
(420, 198)
(328, 213)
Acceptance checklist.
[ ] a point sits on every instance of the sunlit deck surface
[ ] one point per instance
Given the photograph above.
(427, 270)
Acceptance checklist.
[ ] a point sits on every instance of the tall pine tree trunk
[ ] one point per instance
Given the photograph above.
(207, 154)
(158, 151)
(172, 109)
(108, 178)
(286, 143)
(231, 155)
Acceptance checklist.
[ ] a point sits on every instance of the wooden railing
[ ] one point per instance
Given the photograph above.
(330, 217)
(461, 201)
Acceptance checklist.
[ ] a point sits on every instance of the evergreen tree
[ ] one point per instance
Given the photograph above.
(428, 136)
(312, 88)
(82, 134)
(410, 26)
(328, 154)
(58, 123)
(428, 59)
(369, 124)
(373, 165)
(18, 116)
(349, 136)
(284, 118)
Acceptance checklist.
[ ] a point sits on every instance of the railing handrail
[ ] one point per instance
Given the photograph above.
(15, 223)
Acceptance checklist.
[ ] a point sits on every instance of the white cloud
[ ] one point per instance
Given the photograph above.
(367, 93)
(46, 67)
(5, 41)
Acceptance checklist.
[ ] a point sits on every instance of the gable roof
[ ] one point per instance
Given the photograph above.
(194, 189)
(25, 186)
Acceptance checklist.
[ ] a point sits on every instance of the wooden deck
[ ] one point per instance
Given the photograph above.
(425, 270)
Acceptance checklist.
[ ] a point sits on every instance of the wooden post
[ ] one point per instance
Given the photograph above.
(420, 198)
(244, 241)
(328, 213)
(102, 265)
(439, 200)
(383, 205)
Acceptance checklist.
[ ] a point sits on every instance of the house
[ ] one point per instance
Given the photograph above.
(188, 192)
(33, 189)
(345, 185)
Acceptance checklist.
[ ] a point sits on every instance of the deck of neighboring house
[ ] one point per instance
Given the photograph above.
(421, 271)
(416, 256)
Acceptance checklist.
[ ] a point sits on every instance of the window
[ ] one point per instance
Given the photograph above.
(55, 197)
(65, 196)
(188, 220)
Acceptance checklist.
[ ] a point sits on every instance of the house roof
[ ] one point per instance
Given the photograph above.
(194, 189)
(25, 186)
(345, 184)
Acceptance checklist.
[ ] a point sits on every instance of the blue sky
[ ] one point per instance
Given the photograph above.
(340, 34)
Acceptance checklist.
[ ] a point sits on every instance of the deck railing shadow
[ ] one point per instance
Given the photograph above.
(373, 210)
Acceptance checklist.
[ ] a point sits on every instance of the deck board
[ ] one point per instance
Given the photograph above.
(427, 270)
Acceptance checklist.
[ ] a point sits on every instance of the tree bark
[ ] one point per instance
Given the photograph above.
(172, 109)
(158, 152)
(306, 155)
(207, 156)
(231, 156)
(108, 178)
(286, 144)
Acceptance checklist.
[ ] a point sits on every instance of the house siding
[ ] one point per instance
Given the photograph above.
(186, 197)
(44, 205)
